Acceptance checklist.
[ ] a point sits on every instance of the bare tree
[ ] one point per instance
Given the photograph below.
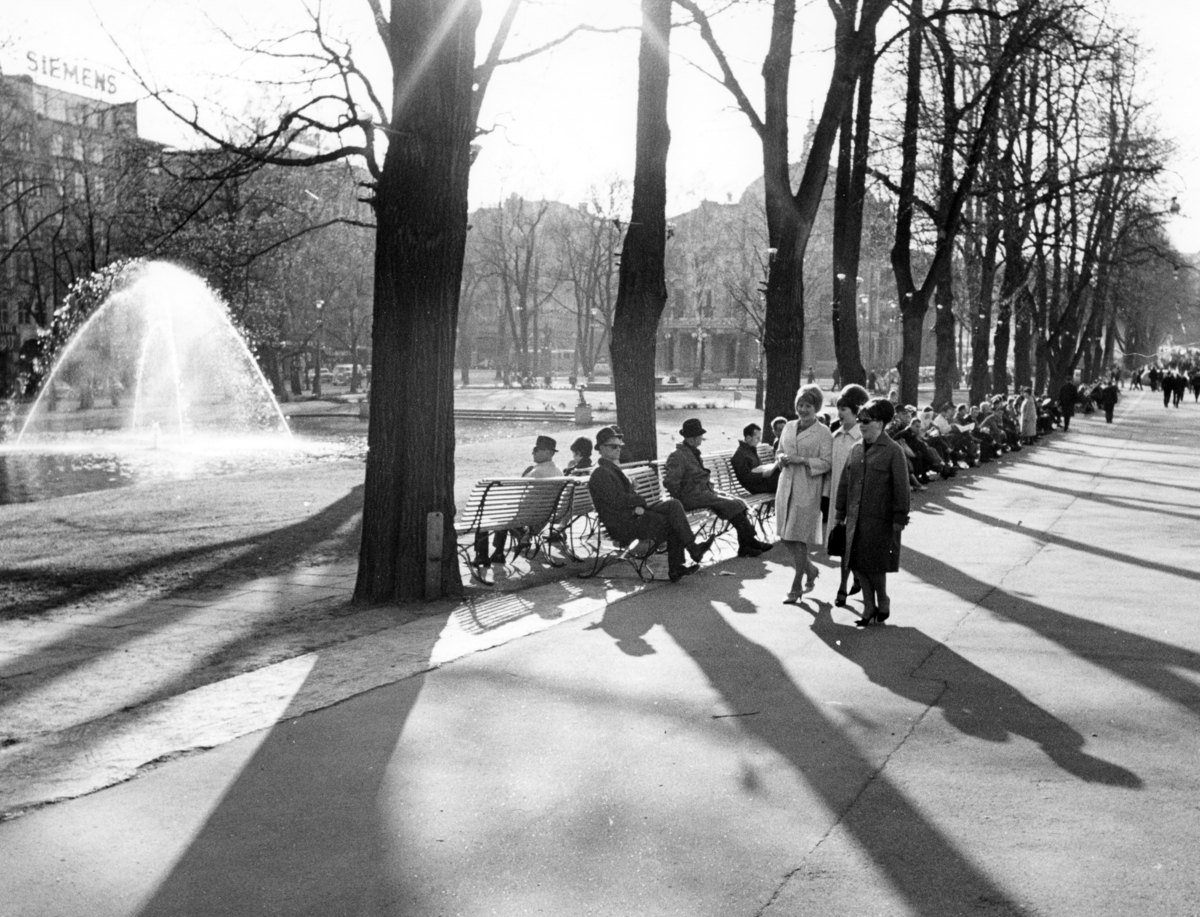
(642, 289)
(791, 215)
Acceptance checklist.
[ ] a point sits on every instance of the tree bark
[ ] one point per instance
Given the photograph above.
(642, 286)
(421, 212)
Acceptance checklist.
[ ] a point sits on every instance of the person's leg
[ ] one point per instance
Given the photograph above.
(481, 549)
(672, 511)
(883, 602)
(868, 592)
(799, 552)
(499, 541)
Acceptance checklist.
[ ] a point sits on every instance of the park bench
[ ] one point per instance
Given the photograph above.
(504, 504)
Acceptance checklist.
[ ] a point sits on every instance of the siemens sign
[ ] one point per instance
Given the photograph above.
(64, 70)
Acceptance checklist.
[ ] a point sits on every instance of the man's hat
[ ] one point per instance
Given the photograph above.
(545, 442)
(609, 435)
(692, 427)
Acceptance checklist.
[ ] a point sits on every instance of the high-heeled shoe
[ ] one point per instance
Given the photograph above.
(883, 612)
(855, 587)
(867, 620)
(793, 598)
(840, 599)
(811, 583)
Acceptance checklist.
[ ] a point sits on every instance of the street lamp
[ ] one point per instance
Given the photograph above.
(316, 389)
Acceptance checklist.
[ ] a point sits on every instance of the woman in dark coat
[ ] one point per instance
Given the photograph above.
(873, 502)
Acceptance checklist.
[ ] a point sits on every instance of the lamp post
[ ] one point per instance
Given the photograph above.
(316, 386)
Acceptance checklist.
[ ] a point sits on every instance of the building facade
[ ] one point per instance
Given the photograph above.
(73, 174)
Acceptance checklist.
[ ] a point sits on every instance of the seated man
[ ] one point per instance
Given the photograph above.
(748, 467)
(961, 445)
(628, 518)
(687, 480)
(543, 467)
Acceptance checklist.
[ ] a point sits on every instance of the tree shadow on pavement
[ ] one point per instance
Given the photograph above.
(299, 831)
(1083, 547)
(1137, 659)
(924, 866)
(972, 700)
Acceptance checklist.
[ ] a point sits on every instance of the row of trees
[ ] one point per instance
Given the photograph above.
(1008, 143)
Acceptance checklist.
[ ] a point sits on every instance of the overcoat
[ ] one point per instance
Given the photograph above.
(873, 496)
(798, 497)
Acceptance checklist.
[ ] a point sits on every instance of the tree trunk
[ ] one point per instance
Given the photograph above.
(642, 288)
(421, 214)
(945, 364)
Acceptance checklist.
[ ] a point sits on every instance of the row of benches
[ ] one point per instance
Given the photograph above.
(558, 513)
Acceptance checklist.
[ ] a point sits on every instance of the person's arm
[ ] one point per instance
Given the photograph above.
(673, 474)
(901, 492)
(822, 462)
(607, 491)
(841, 498)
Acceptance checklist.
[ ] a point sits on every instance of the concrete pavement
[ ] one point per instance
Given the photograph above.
(1021, 737)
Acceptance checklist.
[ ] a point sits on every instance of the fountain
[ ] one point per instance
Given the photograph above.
(157, 382)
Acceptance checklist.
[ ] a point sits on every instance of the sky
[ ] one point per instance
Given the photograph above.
(561, 124)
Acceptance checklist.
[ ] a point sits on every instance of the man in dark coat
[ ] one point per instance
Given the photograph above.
(748, 466)
(1067, 396)
(687, 480)
(1107, 399)
(629, 518)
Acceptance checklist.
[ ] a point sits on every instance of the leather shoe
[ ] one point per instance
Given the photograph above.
(680, 572)
(698, 549)
(763, 546)
(749, 550)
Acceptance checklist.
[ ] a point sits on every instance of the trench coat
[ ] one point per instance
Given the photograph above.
(798, 496)
(873, 498)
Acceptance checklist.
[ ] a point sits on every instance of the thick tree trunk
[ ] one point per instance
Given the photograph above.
(421, 218)
(1022, 338)
(642, 288)
(945, 364)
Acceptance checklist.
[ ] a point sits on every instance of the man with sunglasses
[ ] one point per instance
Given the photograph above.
(629, 518)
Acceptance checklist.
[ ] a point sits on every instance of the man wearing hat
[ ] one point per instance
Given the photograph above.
(627, 516)
(687, 480)
(543, 467)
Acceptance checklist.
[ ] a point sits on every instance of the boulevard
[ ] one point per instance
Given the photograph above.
(1020, 738)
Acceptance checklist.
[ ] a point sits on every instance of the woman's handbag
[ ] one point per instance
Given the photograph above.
(837, 540)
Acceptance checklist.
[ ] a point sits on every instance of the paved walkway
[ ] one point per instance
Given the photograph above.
(1021, 737)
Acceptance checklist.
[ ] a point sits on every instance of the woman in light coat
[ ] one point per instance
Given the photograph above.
(846, 436)
(873, 502)
(805, 456)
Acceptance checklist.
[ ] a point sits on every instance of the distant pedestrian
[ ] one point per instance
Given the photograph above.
(1067, 396)
(1107, 399)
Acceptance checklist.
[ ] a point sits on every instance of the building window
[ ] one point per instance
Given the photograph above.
(98, 185)
(96, 154)
(25, 313)
(80, 184)
(56, 109)
(77, 149)
(56, 144)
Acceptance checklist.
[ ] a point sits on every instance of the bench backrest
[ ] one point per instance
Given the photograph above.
(508, 503)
